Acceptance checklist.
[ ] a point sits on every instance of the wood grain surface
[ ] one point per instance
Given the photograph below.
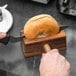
(35, 47)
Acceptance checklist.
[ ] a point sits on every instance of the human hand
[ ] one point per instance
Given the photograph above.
(2, 35)
(54, 64)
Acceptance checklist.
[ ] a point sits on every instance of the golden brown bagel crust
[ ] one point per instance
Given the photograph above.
(43, 23)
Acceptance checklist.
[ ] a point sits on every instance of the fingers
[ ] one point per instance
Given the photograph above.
(54, 54)
(50, 52)
(56, 61)
(54, 51)
(2, 35)
(67, 65)
(50, 56)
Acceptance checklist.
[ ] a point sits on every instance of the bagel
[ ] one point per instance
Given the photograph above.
(41, 24)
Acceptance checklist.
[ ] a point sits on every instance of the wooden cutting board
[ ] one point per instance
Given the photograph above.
(35, 47)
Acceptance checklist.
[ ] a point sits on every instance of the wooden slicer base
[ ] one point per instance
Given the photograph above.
(35, 47)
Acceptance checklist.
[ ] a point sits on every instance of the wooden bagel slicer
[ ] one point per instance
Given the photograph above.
(40, 30)
(35, 47)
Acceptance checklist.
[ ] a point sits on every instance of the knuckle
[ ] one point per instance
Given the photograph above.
(68, 65)
(55, 50)
(62, 57)
(56, 53)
